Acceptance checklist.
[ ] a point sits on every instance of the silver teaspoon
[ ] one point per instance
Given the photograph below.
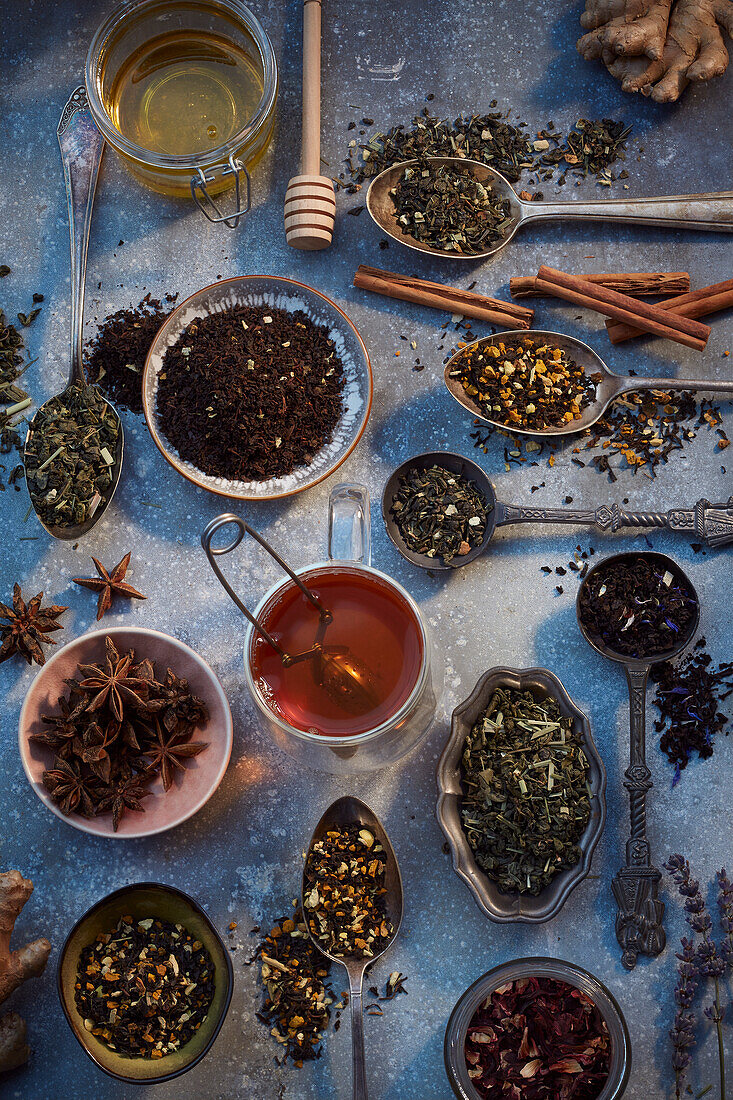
(81, 154)
(350, 811)
(608, 389)
(713, 212)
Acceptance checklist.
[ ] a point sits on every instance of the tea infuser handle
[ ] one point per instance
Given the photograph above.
(360, 1091)
(712, 211)
(81, 147)
(205, 202)
(639, 927)
(213, 552)
(349, 524)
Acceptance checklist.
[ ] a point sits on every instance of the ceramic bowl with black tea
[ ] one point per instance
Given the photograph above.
(142, 901)
(496, 903)
(611, 1080)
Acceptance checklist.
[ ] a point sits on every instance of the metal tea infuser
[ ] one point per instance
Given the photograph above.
(345, 679)
(639, 927)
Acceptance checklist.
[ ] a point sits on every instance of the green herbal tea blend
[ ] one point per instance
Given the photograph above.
(529, 385)
(439, 513)
(344, 892)
(636, 607)
(526, 791)
(449, 208)
(117, 730)
(13, 400)
(144, 987)
(115, 359)
(251, 393)
(70, 456)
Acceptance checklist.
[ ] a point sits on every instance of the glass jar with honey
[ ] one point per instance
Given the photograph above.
(185, 92)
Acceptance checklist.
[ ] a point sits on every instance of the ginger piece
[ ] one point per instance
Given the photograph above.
(16, 966)
(657, 47)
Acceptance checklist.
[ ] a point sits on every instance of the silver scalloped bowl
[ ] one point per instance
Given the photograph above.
(497, 904)
(277, 293)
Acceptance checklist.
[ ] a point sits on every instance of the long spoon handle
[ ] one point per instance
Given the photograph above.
(81, 154)
(713, 523)
(707, 385)
(712, 211)
(636, 886)
(356, 982)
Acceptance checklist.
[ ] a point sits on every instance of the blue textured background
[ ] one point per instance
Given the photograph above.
(241, 856)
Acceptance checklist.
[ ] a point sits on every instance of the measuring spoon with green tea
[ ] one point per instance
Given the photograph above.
(349, 811)
(608, 389)
(711, 523)
(712, 212)
(68, 506)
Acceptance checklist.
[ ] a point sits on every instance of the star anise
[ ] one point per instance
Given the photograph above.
(169, 751)
(181, 710)
(64, 727)
(110, 585)
(92, 746)
(125, 794)
(69, 789)
(28, 627)
(114, 683)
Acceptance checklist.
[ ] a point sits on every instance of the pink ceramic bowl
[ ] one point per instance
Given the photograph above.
(192, 788)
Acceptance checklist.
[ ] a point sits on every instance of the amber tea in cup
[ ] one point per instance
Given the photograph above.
(371, 623)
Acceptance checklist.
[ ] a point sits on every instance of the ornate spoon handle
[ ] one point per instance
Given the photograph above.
(636, 886)
(713, 523)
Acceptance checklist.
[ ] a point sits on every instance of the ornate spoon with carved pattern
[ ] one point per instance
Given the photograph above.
(712, 523)
(607, 389)
(639, 927)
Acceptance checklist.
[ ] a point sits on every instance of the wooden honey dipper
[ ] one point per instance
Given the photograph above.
(310, 201)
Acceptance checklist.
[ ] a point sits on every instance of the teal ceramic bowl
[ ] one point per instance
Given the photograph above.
(146, 899)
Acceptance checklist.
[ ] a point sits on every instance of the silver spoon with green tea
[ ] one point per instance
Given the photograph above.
(74, 445)
(712, 212)
(600, 385)
(349, 846)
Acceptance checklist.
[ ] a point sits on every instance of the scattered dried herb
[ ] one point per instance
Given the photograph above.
(298, 997)
(526, 793)
(145, 987)
(689, 692)
(28, 627)
(527, 385)
(579, 564)
(448, 208)
(115, 358)
(116, 731)
(439, 513)
(250, 393)
(636, 607)
(70, 456)
(344, 892)
(109, 585)
(538, 1039)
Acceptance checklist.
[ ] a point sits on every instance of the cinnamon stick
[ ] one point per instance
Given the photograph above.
(698, 303)
(437, 296)
(637, 284)
(639, 314)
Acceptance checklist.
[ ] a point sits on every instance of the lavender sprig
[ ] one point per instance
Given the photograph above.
(725, 908)
(682, 1033)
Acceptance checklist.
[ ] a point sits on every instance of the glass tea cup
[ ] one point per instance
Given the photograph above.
(393, 734)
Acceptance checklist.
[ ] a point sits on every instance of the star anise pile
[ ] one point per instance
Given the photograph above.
(116, 731)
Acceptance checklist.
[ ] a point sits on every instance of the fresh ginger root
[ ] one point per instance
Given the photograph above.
(16, 966)
(657, 47)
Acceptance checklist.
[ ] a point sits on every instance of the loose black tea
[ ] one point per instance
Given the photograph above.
(689, 692)
(529, 385)
(115, 359)
(251, 393)
(344, 892)
(298, 997)
(526, 791)
(538, 1038)
(636, 607)
(449, 208)
(439, 513)
(70, 456)
(144, 987)
(118, 729)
